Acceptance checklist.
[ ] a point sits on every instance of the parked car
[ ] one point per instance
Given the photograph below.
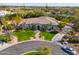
(65, 43)
(69, 50)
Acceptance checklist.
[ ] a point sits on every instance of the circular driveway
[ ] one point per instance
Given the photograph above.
(20, 48)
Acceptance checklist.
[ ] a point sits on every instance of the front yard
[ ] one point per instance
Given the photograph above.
(24, 34)
(48, 35)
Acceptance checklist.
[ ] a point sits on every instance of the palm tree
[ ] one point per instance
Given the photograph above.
(5, 23)
(1, 29)
(17, 19)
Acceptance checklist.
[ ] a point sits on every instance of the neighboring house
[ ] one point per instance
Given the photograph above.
(77, 34)
(40, 23)
(3, 12)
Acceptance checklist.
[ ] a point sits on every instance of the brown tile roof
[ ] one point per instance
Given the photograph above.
(41, 20)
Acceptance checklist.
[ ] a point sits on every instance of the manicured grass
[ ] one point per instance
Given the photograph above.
(24, 34)
(2, 37)
(48, 35)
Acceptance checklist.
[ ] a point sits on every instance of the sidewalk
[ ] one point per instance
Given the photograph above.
(5, 45)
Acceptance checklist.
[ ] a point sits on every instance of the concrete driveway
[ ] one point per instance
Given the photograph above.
(61, 34)
(20, 48)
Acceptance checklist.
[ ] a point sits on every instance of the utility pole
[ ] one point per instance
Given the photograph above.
(24, 5)
(46, 7)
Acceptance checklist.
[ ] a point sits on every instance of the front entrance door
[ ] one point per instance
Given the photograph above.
(38, 27)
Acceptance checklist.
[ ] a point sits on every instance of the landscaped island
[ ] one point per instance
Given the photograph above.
(46, 50)
(33, 53)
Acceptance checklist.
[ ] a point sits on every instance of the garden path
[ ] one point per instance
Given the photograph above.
(37, 36)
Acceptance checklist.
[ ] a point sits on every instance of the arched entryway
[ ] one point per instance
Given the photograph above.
(38, 27)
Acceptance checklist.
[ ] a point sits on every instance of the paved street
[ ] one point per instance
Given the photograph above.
(31, 45)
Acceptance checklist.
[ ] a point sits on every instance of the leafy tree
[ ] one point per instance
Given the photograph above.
(61, 24)
(76, 20)
(74, 40)
(34, 13)
(66, 20)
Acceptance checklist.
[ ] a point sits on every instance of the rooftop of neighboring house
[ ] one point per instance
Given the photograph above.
(41, 20)
(77, 34)
(4, 12)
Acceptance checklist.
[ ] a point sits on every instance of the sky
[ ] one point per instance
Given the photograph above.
(39, 1)
(40, 4)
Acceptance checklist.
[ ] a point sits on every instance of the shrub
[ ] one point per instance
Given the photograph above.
(74, 40)
(61, 24)
(3, 38)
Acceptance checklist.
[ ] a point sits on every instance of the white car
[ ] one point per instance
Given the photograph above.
(70, 50)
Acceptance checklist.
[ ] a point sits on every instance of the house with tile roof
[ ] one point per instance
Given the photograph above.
(40, 23)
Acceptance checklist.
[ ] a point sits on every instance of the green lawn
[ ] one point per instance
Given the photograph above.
(3, 38)
(24, 34)
(48, 35)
